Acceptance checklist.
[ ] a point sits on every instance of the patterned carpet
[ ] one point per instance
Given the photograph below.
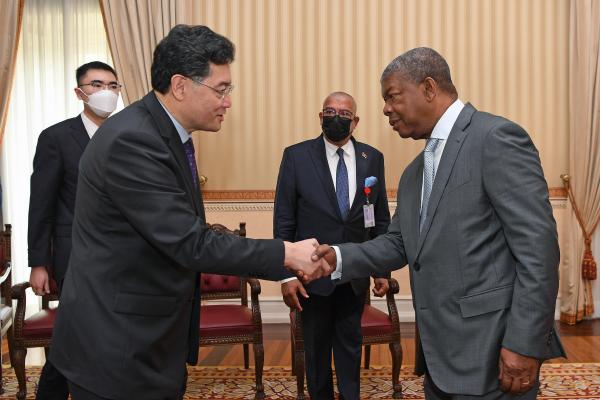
(559, 382)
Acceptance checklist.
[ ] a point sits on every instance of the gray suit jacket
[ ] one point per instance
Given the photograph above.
(484, 270)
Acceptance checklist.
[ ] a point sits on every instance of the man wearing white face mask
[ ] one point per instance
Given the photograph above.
(53, 188)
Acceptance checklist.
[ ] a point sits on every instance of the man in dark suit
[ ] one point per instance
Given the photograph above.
(129, 310)
(321, 194)
(53, 187)
(475, 225)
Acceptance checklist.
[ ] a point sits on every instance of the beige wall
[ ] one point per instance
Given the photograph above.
(507, 57)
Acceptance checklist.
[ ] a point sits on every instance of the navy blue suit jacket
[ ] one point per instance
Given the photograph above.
(306, 204)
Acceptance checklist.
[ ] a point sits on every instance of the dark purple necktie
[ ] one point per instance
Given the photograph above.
(191, 159)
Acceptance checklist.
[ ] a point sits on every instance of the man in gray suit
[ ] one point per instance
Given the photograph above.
(475, 225)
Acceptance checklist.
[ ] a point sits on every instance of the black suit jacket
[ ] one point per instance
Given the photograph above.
(52, 198)
(124, 328)
(306, 204)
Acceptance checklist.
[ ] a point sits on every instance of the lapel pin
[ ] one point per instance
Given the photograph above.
(364, 155)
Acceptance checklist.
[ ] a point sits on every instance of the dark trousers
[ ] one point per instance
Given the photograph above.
(79, 393)
(52, 384)
(333, 323)
(432, 392)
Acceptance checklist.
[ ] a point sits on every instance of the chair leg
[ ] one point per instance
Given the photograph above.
(19, 366)
(396, 351)
(367, 356)
(299, 365)
(246, 356)
(259, 361)
(293, 350)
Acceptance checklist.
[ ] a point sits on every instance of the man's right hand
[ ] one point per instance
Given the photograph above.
(327, 252)
(39, 280)
(298, 260)
(290, 290)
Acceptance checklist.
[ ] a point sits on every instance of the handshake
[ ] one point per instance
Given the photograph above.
(309, 260)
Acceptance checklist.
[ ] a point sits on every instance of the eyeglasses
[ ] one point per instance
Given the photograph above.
(101, 85)
(332, 112)
(221, 92)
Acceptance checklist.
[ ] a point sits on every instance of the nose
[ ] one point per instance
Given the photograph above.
(227, 101)
(387, 109)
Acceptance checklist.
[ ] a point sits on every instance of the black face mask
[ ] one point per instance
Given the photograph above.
(336, 128)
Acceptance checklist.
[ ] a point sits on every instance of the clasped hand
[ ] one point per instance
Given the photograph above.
(308, 260)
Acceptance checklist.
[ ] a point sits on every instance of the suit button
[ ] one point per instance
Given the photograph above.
(417, 266)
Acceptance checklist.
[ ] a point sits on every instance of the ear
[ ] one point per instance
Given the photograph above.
(177, 87)
(430, 88)
(78, 93)
(321, 117)
(354, 123)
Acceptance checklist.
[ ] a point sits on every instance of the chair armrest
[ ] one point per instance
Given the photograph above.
(18, 293)
(18, 290)
(254, 292)
(394, 286)
(391, 303)
(254, 286)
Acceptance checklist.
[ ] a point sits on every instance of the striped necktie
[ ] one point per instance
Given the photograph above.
(428, 177)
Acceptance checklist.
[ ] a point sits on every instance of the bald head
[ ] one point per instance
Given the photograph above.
(340, 96)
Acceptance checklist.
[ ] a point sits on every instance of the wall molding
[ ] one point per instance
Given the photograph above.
(264, 205)
(269, 195)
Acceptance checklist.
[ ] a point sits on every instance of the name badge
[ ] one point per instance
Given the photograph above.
(369, 214)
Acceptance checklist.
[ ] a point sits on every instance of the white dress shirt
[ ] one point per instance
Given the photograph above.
(349, 159)
(441, 131)
(89, 125)
(332, 160)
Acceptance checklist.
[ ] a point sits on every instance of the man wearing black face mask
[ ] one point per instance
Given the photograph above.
(321, 194)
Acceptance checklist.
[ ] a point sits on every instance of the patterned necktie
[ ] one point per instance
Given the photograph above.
(428, 177)
(191, 159)
(341, 185)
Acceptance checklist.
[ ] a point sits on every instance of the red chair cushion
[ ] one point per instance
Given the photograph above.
(224, 320)
(375, 322)
(210, 283)
(39, 325)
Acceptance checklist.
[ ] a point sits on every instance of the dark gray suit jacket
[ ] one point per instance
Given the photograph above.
(52, 196)
(306, 204)
(484, 270)
(128, 313)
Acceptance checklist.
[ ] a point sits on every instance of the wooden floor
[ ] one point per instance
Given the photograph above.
(581, 342)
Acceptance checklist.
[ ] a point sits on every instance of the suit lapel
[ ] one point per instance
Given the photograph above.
(362, 164)
(444, 170)
(319, 159)
(169, 133)
(412, 199)
(79, 134)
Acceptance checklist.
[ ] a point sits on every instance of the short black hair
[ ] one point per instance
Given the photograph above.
(420, 63)
(83, 69)
(187, 50)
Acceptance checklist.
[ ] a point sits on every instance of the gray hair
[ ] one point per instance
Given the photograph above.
(420, 63)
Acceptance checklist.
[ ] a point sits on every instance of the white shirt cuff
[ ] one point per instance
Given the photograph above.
(287, 280)
(337, 274)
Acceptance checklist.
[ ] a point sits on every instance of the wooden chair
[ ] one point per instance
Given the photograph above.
(222, 324)
(6, 314)
(35, 331)
(377, 328)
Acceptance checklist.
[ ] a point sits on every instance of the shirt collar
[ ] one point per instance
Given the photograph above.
(446, 122)
(331, 149)
(180, 129)
(89, 125)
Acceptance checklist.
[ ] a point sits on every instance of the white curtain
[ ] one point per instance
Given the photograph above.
(57, 37)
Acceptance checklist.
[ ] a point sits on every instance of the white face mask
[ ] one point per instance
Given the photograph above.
(102, 102)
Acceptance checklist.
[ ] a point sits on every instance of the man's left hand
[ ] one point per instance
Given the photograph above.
(518, 373)
(381, 287)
